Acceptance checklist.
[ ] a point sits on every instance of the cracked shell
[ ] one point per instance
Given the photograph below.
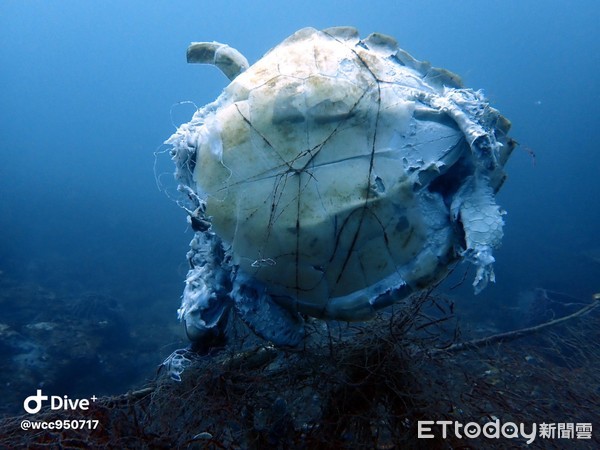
(340, 172)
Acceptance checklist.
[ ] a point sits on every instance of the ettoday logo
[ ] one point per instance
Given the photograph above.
(33, 404)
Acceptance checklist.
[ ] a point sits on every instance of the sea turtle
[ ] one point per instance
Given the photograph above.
(330, 179)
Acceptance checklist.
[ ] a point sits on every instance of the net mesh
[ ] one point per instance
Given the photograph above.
(350, 386)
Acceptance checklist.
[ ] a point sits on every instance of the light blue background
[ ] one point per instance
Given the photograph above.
(87, 89)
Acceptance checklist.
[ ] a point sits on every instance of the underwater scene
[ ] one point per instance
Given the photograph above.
(333, 224)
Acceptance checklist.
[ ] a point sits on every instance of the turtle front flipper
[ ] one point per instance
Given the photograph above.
(227, 59)
(264, 316)
(475, 208)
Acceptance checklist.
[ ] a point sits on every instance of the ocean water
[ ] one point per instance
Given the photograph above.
(90, 90)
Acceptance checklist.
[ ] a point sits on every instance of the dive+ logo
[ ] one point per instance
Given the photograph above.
(33, 404)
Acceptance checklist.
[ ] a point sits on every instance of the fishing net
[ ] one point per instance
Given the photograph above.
(350, 386)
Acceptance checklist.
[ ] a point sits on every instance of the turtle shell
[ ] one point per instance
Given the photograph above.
(331, 169)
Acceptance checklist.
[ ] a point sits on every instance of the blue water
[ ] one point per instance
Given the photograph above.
(87, 95)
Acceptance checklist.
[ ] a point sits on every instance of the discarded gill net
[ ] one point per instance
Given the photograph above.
(351, 386)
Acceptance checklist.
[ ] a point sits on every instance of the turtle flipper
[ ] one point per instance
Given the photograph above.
(266, 318)
(227, 59)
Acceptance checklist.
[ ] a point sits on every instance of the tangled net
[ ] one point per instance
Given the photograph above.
(352, 386)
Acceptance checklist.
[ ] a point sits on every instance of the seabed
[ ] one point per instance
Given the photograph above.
(355, 386)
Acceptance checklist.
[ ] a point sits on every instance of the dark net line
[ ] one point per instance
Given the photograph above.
(351, 386)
